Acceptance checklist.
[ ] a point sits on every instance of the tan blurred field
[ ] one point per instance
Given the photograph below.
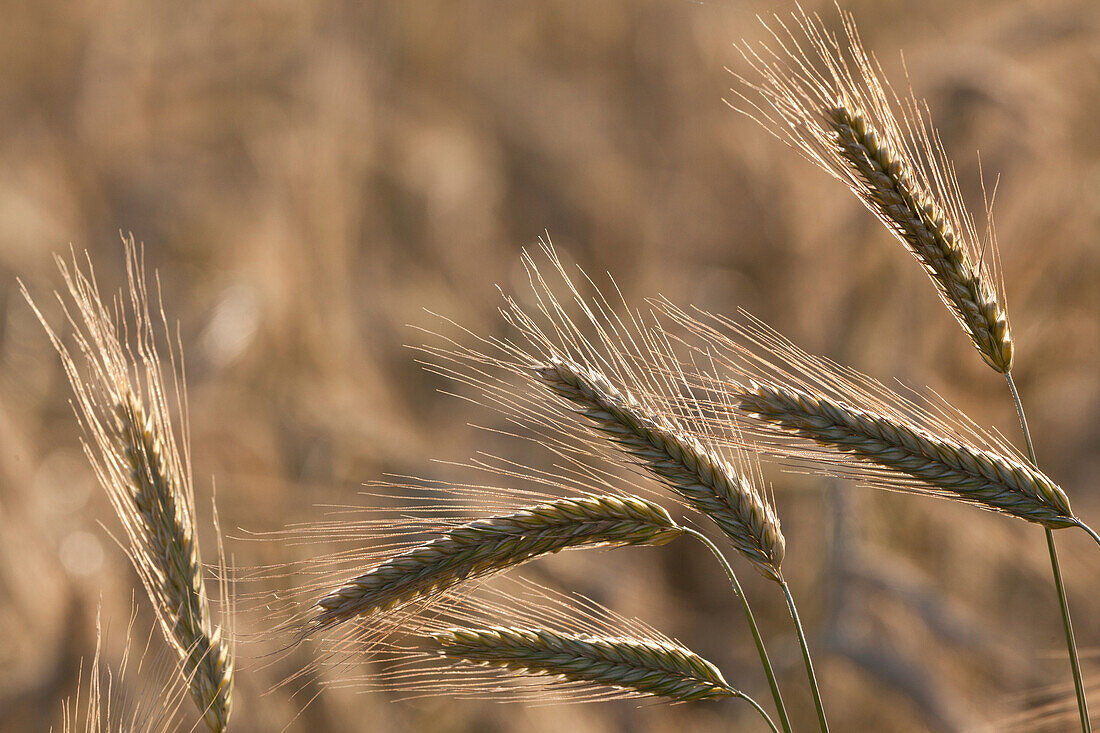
(311, 178)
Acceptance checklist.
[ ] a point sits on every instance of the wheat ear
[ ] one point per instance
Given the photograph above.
(174, 553)
(918, 221)
(123, 403)
(644, 666)
(700, 476)
(963, 471)
(823, 96)
(498, 543)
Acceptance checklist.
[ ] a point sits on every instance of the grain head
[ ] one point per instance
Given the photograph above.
(124, 402)
(823, 95)
(654, 668)
(494, 545)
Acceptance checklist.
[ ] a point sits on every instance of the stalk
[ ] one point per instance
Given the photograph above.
(1091, 532)
(1063, 603)
(806, 656)
(763, 713)
(768, 671)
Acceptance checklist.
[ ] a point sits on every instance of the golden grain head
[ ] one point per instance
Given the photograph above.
(824, 96)
(125, 402)
(494, 545)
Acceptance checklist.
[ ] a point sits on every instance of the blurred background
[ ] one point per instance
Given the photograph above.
(309, 178)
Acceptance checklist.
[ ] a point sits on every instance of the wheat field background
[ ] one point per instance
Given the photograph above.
(310, 178)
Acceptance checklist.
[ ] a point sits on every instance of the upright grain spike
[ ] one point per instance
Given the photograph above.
(123, 402)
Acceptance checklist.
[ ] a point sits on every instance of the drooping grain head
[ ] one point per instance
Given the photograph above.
(493, 545)
(123, 401)
(942, 464)
(697, 473)
(511, 639)
(823, 96)
(642, 666)
(573, 352)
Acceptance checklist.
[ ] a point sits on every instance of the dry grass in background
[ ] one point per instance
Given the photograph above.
(308, 179)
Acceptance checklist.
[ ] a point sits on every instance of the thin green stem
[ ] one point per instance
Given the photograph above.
(780, 708)
(759, 709)
(1091, 532)
(1067, 623)
(1071, 643)
(806, 656)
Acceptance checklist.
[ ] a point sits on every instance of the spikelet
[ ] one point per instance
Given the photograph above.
(496, 544)
(857, 427)
(606, 363)
(123, 402)
(823, 96)
(651, 668)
